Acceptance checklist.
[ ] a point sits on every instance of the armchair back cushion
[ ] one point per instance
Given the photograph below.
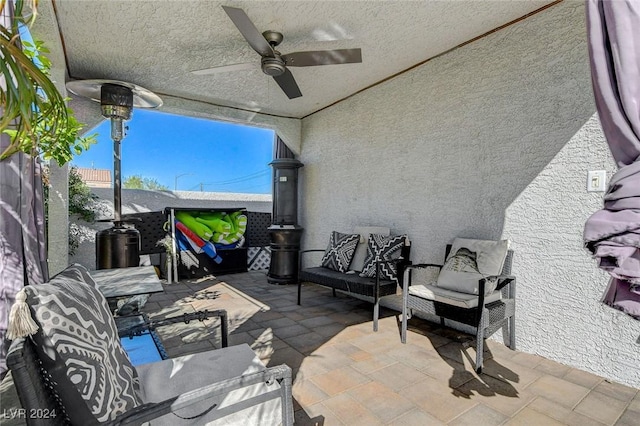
(339, 253)
(471, 260)
(78, 344)
(383, 248)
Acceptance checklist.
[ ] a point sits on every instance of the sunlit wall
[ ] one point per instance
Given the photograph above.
(493, 140)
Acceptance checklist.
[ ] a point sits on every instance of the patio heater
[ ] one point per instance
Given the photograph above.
(118, 246)
(285, 233)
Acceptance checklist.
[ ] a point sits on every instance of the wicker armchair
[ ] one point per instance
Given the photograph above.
(487, 314)
(69, 367)
(43, 405)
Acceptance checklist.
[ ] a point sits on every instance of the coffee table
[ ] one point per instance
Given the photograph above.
(126, 282)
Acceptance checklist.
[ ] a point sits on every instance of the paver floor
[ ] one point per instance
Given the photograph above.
(347, 374)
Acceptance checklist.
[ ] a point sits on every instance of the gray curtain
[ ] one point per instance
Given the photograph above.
(23, 258)
(613, 233)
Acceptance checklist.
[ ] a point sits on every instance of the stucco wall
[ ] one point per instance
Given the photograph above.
(492, 140)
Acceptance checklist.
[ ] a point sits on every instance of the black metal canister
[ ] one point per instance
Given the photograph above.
(117, 247)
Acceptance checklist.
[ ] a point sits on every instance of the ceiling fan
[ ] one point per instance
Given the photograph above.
(273, 62)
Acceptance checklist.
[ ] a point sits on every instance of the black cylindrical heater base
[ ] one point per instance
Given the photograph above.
(285, 252)
(117, 247)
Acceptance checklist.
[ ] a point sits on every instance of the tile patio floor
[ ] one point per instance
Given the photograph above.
(345, 374)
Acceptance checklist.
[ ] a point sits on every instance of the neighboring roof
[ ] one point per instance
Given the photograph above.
(95, 177)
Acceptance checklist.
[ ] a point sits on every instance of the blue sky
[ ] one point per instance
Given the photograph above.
(202, 154)
(191, 154)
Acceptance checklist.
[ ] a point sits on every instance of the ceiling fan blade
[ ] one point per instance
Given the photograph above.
(226, 68)
(249, 31)
(288, 84)
(323, 57)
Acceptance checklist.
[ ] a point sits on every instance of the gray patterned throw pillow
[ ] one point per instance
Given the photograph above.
(383, 248)
(471, 261)
(339, 253)
(76, 272)
(78, 344)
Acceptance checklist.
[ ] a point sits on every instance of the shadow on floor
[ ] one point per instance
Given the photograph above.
(327, 334)
(458, 350)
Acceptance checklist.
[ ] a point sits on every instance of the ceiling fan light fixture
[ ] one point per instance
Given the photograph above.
(273, 66)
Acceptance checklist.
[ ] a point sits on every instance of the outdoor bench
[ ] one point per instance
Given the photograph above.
(353, 284)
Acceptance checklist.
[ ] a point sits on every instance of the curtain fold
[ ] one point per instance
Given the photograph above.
(23, 250)
(23, 258)
(612, 234)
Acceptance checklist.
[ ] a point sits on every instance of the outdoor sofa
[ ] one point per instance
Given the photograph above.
(368, 264)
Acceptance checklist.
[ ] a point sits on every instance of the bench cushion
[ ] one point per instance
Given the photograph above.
(352, 283)
(450, 297)
(77, 272)
(361, 249)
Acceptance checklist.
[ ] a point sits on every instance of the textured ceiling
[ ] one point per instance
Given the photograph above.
(157, 43)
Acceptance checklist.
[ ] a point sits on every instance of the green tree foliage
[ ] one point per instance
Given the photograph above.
(139, 182)
(133, 182)
(81, 200)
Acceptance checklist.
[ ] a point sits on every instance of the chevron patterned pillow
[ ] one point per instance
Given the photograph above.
(382, 247)
(339, 253)
(78, 344)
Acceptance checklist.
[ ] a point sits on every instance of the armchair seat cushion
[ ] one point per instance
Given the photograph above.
(450, 297)
(352, 283)
(169, 378)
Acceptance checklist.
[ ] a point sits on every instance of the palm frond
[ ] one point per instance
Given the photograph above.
(34, 113)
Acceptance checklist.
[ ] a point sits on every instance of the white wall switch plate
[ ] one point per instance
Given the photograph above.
(596, 181)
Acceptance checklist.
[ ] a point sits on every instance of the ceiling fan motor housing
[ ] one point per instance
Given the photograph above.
(273, 66)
